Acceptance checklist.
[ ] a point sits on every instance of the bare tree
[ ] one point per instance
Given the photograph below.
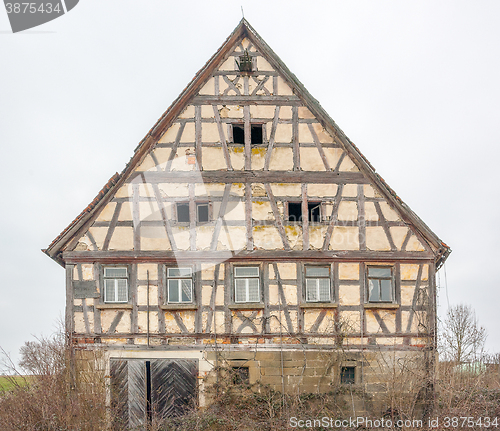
(462, 338)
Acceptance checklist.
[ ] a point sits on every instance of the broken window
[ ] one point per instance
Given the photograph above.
(256, 134)
(241, 375)
(245, 62)
(380, 284)
(347, 375)
(180, 285)
(115, 284)
(318, 284)
(313, 211)
(246, 284)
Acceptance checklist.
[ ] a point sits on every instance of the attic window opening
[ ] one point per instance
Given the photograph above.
(256, 134)
(183, 213)
(313, 211)
(245, 63)
(202, 212)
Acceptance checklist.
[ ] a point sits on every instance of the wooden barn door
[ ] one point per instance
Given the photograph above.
(143, 389)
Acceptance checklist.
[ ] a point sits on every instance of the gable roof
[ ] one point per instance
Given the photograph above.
(244, 29)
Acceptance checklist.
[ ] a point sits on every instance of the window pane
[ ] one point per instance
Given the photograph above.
(173, 290)
(186, 290)
(317, 271)
(183, 212)
(109, 290)
(253, 289)
(324, 289)
(179, 272)
(311, 290)
(385, 290)
(379, 272)
(115, 272)
(373, 287)
(246, 271)
(202, 212)
(240, 290)
(122, 290)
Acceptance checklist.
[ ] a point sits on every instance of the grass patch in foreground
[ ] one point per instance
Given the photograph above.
(8, 382)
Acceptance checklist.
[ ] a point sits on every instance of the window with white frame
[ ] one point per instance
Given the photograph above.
(246, 284)
(380, 284)
(318, 284)
(179, 285)
(115, 284)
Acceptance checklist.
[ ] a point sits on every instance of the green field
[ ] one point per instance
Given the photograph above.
(7, 383)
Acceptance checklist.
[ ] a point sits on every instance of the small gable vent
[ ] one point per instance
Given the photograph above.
(245, 63)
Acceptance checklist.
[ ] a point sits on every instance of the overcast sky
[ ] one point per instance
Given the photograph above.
(415, 85)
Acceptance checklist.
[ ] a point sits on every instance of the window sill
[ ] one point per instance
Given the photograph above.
(381, 305)
(114, 306)
(247, 306)
(179, 307)
(318, 305)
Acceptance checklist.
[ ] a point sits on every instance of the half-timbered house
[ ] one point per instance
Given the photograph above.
(247, 229)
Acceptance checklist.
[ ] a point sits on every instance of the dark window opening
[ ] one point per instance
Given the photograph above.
(241, 375)
(347, 375)
(183, 213)
(202, 210)
(238, 134)
(256, 134)
(294, 211)
(314, 211)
